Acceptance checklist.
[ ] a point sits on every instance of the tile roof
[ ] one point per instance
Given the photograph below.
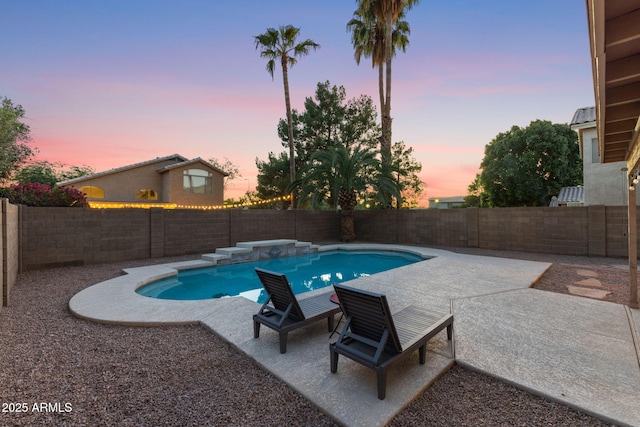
(177, 157)
(571, 194)
(584, 115)
(190, 162)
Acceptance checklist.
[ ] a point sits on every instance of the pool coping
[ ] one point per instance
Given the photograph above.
(115, 301)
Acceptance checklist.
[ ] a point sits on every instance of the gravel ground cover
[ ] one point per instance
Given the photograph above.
(58, 370)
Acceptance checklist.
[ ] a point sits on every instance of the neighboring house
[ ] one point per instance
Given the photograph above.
(446, 202)
(568, 196)
(172, 179)
(604, 183)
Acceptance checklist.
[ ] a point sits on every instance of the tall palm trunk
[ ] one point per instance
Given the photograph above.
(287, 101)
(381, 88)
(386, 109)
(347, 201)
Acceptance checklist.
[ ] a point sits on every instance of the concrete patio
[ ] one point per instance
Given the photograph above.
(577, 351)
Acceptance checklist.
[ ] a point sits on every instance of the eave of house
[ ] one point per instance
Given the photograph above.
(178, 159)
(197, 160)
(614, 37)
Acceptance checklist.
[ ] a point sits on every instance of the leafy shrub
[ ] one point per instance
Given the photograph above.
(36, 194)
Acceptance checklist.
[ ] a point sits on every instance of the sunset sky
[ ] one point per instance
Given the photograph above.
(111, 83)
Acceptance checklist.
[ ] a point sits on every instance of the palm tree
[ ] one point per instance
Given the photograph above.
(386, 13)
(281, 44)
(338, 176)
(368, 39)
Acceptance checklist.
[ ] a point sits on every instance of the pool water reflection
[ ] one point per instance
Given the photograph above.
(304, 272)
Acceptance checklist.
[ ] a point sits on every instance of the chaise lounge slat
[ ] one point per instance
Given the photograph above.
(375, 338)
(283, 312)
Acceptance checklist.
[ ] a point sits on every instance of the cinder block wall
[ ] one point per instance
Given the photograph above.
(543, 230)
(617, 243)
(190, 231)
(53, 237)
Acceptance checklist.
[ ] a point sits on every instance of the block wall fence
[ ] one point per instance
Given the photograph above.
(37, 238)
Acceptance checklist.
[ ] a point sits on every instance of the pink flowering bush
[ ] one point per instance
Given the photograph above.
(36, 194)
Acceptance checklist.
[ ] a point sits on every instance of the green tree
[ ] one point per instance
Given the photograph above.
(475, 197)
(340, 175)
(227, 166)
(371, 17)
(329, 119)
(273, 180)
(406, 175)
(280, 44)
(14, 135)
(45, 172)
(37, 172)
(72, 171)
(527, 166)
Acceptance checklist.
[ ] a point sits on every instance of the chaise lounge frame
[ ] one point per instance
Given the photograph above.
(283, 312)
(374, 338)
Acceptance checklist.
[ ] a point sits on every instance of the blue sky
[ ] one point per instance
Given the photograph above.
(110, 83)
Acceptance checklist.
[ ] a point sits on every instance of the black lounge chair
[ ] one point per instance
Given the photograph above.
(282, 311)
(373, 337)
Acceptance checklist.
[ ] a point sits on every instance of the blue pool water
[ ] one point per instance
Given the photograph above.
(304, 272)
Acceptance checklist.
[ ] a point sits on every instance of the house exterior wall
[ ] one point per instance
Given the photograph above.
(173, 187)
(604, 183)
(122, 186)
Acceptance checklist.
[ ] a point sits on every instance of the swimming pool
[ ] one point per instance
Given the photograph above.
(304, 272)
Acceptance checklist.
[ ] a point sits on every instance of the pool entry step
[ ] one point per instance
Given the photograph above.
(262, 249)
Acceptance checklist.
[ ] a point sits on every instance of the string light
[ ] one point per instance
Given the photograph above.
(128, 205)
(634, 181)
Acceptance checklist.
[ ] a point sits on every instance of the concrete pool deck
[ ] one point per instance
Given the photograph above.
(577, 351)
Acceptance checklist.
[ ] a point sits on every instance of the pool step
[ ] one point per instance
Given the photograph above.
(257, 250)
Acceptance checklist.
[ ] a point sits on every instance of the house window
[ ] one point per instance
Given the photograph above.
(595, 156)
(198, 181)
(92, 192)
(147, 194)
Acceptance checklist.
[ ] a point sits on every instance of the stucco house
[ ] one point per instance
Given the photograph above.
(604, 183)
(172, 179)
(446, 202)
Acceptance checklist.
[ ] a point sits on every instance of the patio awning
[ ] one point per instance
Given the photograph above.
(614, 33)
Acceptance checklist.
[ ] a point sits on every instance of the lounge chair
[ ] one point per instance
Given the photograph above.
(373, 337)
(282, 311)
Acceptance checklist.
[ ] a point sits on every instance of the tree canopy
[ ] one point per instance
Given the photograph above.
(227, 166)
(14, 135)
(273, 179)
(407, 169)
(527, 166)
(45, 172)
(340, 175)
(330, 120)
(381, 16)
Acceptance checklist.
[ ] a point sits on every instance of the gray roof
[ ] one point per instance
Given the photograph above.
(190, 162)
(584, 115)
(571, 194)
